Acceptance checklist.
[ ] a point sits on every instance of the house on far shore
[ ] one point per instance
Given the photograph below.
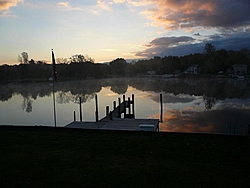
(193, 69)
(240, 69)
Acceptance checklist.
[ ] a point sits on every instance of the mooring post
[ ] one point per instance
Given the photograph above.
(124, 104)
(107, 110)
(119, 107)
(110, 115)
(161, 108)
(74, 116)
(114, 105)
(133, 105)
(129, 106)
(80, 103)
(96, 109)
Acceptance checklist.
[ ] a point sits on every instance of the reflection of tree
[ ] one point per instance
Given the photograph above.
(63, 97)
(119, 87)
(27, 104)
(66, 97)
(209, 102)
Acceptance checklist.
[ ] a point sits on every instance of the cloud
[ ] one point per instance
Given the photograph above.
(6, 4)
(181, 14)
(68, 6)
(165, 46)
(179, 46)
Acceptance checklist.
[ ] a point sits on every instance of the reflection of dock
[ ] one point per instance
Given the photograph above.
(122, 117)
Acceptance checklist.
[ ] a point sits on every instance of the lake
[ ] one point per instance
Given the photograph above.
(195, 105)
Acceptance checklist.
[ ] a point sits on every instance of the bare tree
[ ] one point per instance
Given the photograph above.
(209, 49)
(25, 57)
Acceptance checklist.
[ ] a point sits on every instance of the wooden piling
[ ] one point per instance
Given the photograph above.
(161, 118)
(133, 105)
(110, 115)
(80, 103)
(96, 109)
(129, 106)
(107, 110)
(124, 103)
(114, 105)
(119, 107)
(74, 116)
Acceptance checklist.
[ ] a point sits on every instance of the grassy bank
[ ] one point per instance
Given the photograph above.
(58, 157)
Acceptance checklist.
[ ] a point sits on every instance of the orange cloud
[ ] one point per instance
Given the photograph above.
(185, 120)
(6, 4)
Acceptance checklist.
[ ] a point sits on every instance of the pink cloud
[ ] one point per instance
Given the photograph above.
(179, 14)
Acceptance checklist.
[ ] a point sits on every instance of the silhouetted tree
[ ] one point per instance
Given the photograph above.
(25, 57)
(209, 49)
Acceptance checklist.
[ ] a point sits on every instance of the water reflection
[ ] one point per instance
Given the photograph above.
(27, 104)
(209, 102)
(190, 105)
(232, 121)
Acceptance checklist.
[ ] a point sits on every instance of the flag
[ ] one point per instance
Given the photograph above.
(54, 67)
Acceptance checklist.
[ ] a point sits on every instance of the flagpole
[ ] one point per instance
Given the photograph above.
(54, 76)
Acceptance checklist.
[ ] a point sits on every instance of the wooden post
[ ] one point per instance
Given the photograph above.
(133, 105)
(80, 103)
(119, 108)
(96, 109)
(161, 118)
(129, 108)
(114, 105)
(110, 115)
(74, 116)
(107, 110)
(124, 104)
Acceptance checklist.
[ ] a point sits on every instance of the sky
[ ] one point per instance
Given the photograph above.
(109, 29)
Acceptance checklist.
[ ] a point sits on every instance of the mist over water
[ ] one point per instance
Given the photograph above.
(189, 105)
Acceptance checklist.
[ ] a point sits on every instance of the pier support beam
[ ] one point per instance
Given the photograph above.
(80, 103)
(74, 116)
(119, 107)
(161, 118)
(96, 109)
(107, 110)
(133, 105)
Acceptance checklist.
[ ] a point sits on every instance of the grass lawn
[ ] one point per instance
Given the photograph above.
(59, 157)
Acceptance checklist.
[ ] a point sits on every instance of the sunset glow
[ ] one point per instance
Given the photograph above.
(110, 29)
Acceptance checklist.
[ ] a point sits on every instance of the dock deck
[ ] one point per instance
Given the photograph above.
(117, 124)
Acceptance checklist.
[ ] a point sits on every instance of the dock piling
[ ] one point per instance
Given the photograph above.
(107, 110)
(129, 106)
(161, 118)
(114, 105)
(124, 103)
(96, 109)
(119, 107)
(80, 103)
(74, 116)
(133, 105)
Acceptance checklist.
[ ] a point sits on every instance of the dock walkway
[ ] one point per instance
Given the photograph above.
(122, 124)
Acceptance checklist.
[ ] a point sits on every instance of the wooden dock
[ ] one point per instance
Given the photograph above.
(122, 124)
(114, 121)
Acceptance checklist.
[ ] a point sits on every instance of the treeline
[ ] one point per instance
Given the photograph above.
(78, 67)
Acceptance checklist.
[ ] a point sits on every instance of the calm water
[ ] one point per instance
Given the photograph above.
(190, 105)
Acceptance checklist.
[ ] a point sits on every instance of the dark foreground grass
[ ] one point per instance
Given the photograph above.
(58, 157)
